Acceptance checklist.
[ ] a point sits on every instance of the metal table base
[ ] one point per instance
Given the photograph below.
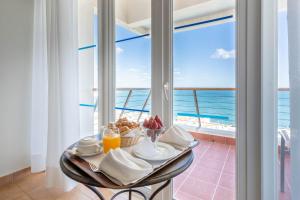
(130, 191)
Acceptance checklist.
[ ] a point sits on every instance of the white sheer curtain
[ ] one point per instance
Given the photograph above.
(55, 98)
(39, 100)
(293, 14)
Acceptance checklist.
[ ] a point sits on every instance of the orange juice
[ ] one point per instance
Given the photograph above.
(111, 142)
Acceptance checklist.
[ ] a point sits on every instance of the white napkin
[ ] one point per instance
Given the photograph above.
(177, 136)
(133, 133)
(123, 167)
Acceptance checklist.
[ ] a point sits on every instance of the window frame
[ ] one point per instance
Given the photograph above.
(249, 81)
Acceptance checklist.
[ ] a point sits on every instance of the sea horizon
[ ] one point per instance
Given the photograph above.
(216, 106)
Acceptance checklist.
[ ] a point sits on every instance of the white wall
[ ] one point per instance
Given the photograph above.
(16, 21)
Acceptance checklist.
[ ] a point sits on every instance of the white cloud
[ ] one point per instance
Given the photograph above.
(119, 50)
(223, 54)
(133, 69)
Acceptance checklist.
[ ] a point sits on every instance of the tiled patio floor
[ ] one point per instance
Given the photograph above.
(211, 176)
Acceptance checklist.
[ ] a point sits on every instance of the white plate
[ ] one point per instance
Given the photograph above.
(98, 151)
(165, 152)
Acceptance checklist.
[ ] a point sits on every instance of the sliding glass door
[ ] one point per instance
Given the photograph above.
(204, 95)
(281, 146)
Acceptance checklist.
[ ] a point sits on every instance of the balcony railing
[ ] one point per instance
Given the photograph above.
(212, 108)
(196, 105)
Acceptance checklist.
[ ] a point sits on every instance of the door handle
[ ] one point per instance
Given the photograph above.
(166, 90)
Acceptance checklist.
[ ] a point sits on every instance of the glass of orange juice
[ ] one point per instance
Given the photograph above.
(111, 139)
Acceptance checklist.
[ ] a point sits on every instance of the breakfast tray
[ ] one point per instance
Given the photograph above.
(104, 179)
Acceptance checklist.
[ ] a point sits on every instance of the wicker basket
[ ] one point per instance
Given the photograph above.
(129, 141)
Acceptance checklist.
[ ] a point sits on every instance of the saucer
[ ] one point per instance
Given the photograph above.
(98, 151)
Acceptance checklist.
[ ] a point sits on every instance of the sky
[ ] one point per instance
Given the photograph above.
(283, 63)
(202, 57)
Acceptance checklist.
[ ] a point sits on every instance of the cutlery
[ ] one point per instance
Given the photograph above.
(94, 167)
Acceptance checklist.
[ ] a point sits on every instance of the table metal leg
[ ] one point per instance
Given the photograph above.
(130, 191)
(129, 194)
(282, 159)
(101, 197)
(97, 192)
(159, 189)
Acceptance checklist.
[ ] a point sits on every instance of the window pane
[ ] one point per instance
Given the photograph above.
(204, 67)
(284, 169)
(133, 60)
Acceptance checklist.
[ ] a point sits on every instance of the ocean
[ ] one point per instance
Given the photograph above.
(218, 106)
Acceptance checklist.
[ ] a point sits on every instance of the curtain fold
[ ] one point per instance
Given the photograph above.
(39, 102)
(59, 124)
(293, 14)
(63, 117)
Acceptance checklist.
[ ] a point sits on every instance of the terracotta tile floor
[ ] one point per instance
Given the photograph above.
(211, 177)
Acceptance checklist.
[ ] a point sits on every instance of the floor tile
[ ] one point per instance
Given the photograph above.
(224, 194)
(231, 158)
(199, 154)
(216, 155)
(55, 192)
(74, 194)
(23, 197)
(92, 195)
(185, 196)
(229, 168)
(41, 193)
(197, 188)
(219, 147)
(31, 182)
(206, 174)
(211, 163)
(178, 181)
(227, 181)
(10, 192)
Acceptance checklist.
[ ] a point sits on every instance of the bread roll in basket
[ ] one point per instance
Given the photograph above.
(129, 131)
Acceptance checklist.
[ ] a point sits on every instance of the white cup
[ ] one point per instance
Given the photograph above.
(88, 145)
(88, 149)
